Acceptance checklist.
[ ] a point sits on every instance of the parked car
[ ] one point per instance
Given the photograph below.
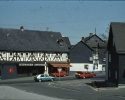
(80, 74)
(43, 77)
(57, 74)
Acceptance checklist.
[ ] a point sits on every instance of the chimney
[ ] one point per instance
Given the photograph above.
(91, 34)
(22, 28)
(83, 39)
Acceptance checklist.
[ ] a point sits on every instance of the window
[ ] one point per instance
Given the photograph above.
(26, 54)
(21, 54)
(42, 75)
(86, 67)
(109, 57)
(104, 59)
(11, 54)
(60, 42)
(123, 74)
(115, 74)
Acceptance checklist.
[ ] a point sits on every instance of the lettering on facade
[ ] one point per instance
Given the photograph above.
(31, 65)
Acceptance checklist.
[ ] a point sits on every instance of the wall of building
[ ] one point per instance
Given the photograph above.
(8, 71)
(36, 56)
(81, 54)
(81, 67)
(121, 73)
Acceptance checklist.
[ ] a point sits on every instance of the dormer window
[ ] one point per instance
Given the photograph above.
(60, 42)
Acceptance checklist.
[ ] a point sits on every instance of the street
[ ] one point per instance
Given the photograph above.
(69, 88)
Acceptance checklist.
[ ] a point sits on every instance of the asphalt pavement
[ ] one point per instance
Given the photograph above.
(68, 83)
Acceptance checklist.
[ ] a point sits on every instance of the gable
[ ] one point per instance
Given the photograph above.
(94, 38)
(80, 53)
(117, 36)
(29, 40)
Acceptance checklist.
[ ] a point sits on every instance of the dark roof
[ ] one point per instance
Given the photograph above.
(31, 40)
(117, 29)
(66, 39)
(90, 37)
(102, 45)
(93, 45)
(84, 44)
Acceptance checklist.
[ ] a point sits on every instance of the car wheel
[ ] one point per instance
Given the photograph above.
(84, 77)
(40, 80)
(51, 79)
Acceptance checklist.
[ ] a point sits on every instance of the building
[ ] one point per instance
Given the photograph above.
(30, 52)
(99, 46)
(81, 57)
(88, 54)
(115, 71)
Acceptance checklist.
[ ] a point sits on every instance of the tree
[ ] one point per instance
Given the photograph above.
(105, 36)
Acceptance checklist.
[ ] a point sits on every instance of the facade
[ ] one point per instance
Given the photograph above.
(81, 57)
(30, 52)
(99, 46)
(116, 55)
(88, 54)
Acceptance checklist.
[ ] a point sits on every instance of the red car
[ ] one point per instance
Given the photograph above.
(84, 74)
(61, 74)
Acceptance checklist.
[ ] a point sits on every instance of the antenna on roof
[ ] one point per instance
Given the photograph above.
(95, 30)
(47, 28)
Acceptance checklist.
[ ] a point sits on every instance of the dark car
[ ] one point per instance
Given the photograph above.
(43, 77)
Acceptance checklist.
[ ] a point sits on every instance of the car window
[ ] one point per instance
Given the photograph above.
(46, 75)
(42, 76)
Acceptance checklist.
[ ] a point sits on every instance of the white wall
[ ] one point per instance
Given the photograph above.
(80, 67)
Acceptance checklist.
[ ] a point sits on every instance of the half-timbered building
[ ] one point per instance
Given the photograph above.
(30, 52)
(115, 70)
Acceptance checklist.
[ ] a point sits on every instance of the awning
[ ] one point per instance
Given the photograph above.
(60, 65)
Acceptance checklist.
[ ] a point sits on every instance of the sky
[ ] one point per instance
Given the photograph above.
(72, 18)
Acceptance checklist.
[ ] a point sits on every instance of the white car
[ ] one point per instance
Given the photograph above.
(43, 77)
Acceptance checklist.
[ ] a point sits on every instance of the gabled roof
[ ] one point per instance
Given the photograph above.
(31, 40)
(66, 39)
(117, 29)
(93, 45)
(84, 44)
(90, 37)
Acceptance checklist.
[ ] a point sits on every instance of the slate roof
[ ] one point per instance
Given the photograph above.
(30, 40)
(118, 31)
(66, 39)
(80, 53)
(89, 37)
(93, 45)
(73, 46)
